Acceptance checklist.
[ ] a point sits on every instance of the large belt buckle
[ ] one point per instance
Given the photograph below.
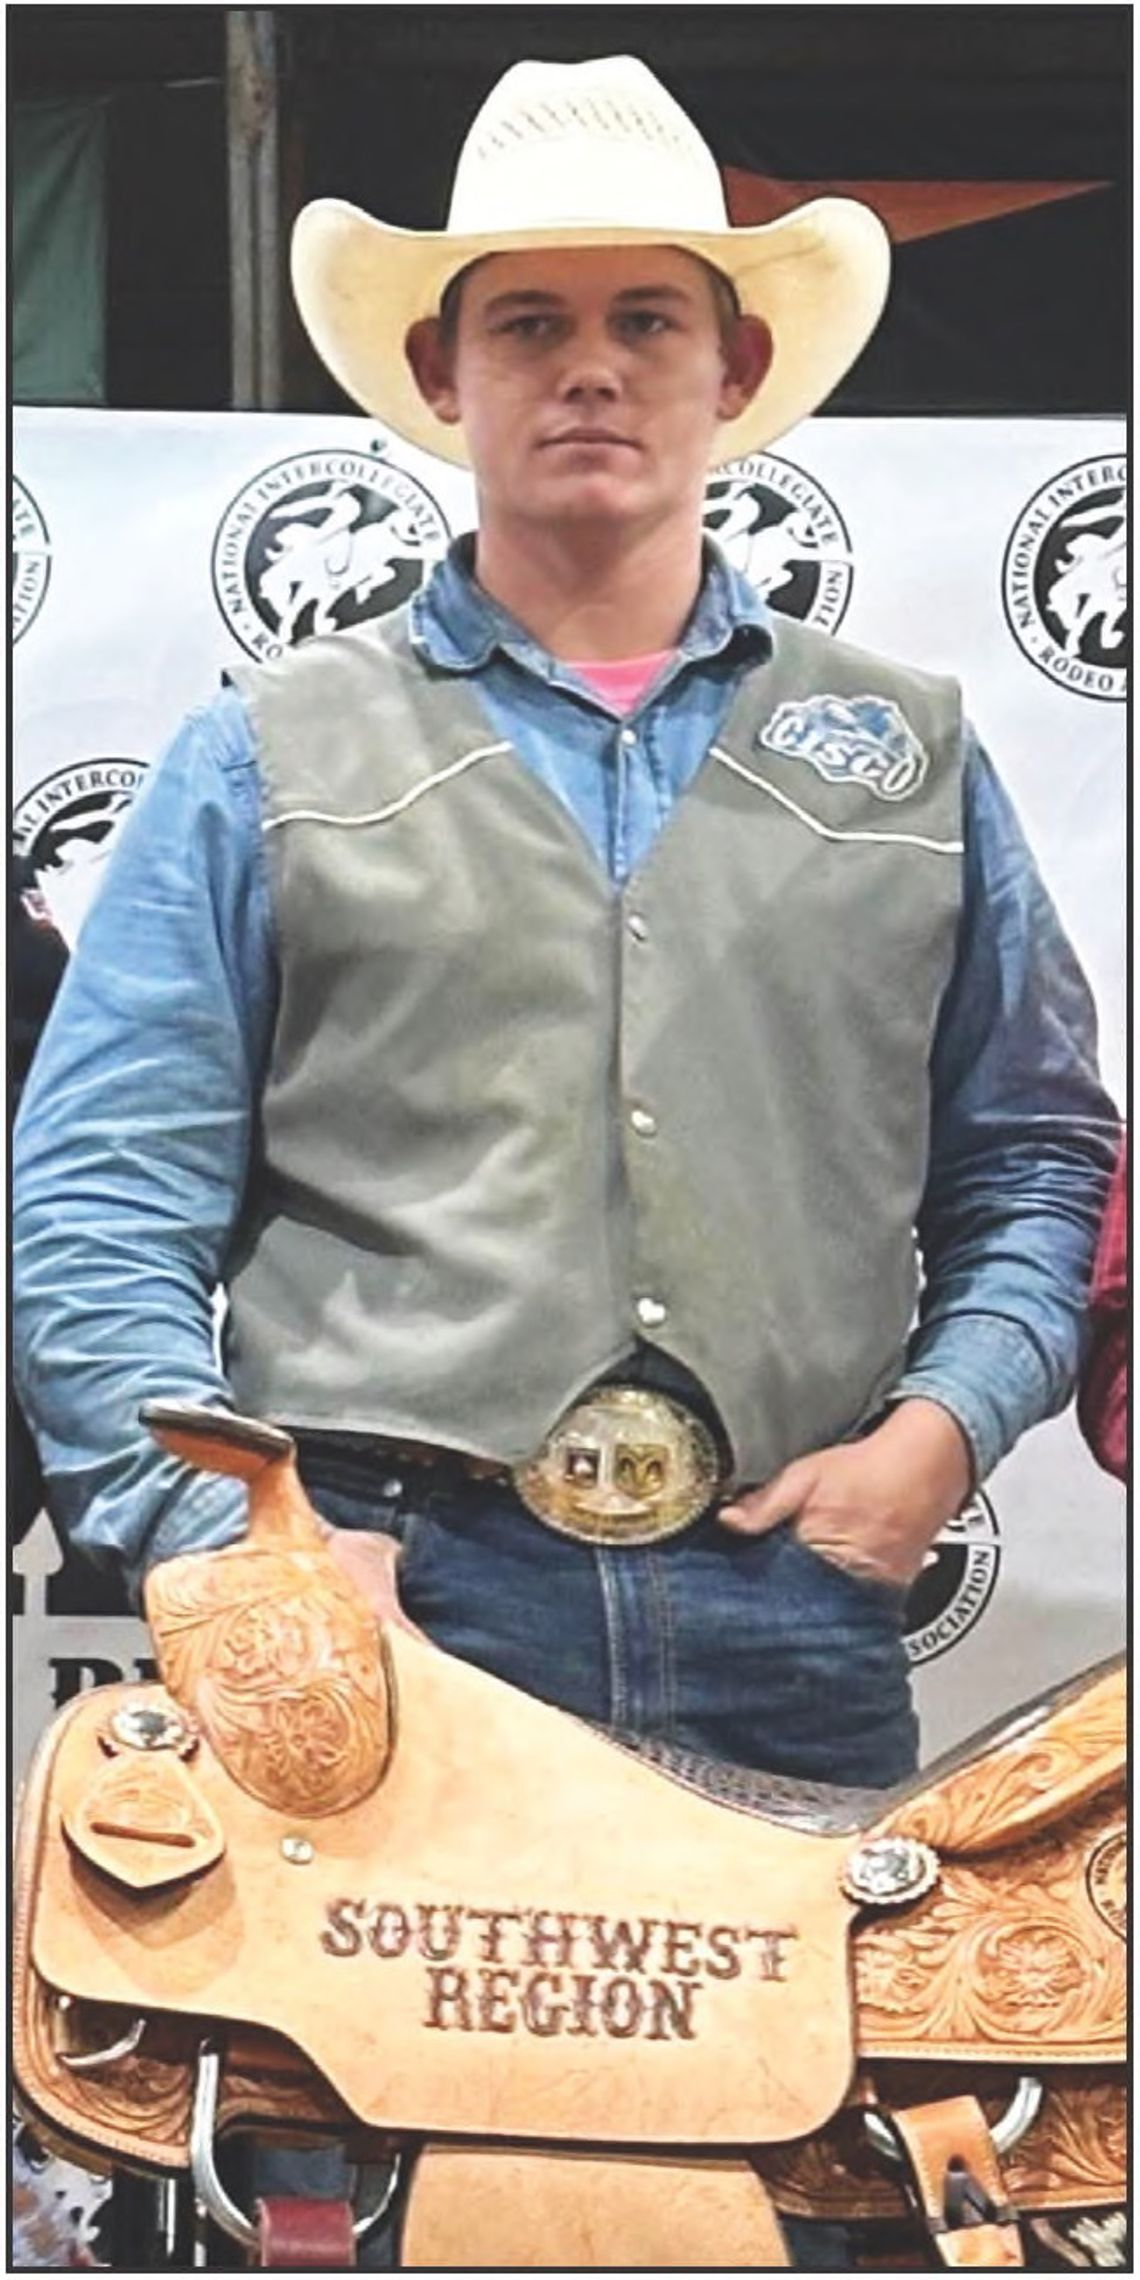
(624, 1466)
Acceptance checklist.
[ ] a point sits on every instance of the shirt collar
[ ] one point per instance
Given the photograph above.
(458, 627)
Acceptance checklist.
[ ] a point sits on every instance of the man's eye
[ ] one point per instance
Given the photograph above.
(644, 323)
(527, 327)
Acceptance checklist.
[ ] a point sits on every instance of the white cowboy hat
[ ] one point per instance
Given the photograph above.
(557, 153)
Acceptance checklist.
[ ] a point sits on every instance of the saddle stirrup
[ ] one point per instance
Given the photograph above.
(1006, 2132)
(284, 2231)
(955, 2180)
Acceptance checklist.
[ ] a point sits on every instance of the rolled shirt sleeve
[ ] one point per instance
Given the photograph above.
(1023, 1140)
(132, 1153)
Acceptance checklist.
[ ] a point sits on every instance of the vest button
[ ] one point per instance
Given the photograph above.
(637, 926)
(643, 1122)
(650, 1313)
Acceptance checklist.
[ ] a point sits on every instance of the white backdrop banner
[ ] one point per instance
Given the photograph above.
(150, 551)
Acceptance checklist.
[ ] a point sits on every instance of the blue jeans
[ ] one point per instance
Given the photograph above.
(752, 1649)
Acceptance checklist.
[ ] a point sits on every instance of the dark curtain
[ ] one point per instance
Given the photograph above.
(59, 252)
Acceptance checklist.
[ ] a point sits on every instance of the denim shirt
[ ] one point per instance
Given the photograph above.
(618, 775)
(140, 1117)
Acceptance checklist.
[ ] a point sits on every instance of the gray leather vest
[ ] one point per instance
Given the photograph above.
(516, 1119)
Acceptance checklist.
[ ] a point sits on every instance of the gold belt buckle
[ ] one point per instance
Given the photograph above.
(624, 1466)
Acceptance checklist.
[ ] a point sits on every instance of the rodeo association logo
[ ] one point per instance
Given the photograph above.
(1064, 579)
(955, 1585)
(1106, 1875)
(31, 558)
(64, 829)
(780, 528)
(319, 542)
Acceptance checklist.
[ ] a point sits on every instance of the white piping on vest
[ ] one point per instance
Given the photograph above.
(826, 830)
(394, 807)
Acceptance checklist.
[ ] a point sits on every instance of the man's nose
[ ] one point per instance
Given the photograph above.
(591, 369)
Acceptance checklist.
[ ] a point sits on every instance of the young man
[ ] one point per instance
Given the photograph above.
(552, 1010)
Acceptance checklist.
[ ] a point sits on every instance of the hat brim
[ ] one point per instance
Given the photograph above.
(818, 276)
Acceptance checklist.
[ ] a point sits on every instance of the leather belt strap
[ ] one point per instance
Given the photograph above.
(432, 1457)
(958, 2184)
(306, 2236)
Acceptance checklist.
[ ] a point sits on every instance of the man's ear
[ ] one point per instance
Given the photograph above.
(433, 369)
(747, 352)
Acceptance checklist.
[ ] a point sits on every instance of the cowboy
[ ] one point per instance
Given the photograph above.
(551, 1010)
(612, 1044)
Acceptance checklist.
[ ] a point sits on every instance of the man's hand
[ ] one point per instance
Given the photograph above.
(876, 1505)
(371, 1563)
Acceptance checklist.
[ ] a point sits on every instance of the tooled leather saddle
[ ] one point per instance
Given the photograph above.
(588, 2002)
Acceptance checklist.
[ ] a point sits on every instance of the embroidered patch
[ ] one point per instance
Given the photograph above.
(850, 740)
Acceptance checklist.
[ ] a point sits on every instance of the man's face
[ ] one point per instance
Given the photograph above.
(590, 384)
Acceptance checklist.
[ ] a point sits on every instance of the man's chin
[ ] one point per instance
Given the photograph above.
(597, 497)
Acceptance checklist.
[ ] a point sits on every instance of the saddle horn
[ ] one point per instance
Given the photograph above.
(267, 1643)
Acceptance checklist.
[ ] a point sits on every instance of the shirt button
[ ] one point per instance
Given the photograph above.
(643, 1122)
(651, 1313)
(638, 927)
(392, 1487)
(629, 736)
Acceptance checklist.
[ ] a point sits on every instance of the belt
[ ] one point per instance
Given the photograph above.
(625, 1465)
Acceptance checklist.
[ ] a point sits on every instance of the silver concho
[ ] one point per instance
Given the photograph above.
(887, 1872)
(143, 1726)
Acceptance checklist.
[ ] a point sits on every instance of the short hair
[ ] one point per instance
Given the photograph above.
(449, 303)
(726, 300)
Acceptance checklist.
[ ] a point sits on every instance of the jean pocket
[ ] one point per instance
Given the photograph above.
(874, 1590)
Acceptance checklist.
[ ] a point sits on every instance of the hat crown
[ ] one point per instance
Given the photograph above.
(561, 144)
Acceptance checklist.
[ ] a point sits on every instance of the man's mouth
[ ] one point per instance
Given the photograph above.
(586, 435)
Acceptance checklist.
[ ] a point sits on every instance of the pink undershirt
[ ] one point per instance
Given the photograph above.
(624, 680)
